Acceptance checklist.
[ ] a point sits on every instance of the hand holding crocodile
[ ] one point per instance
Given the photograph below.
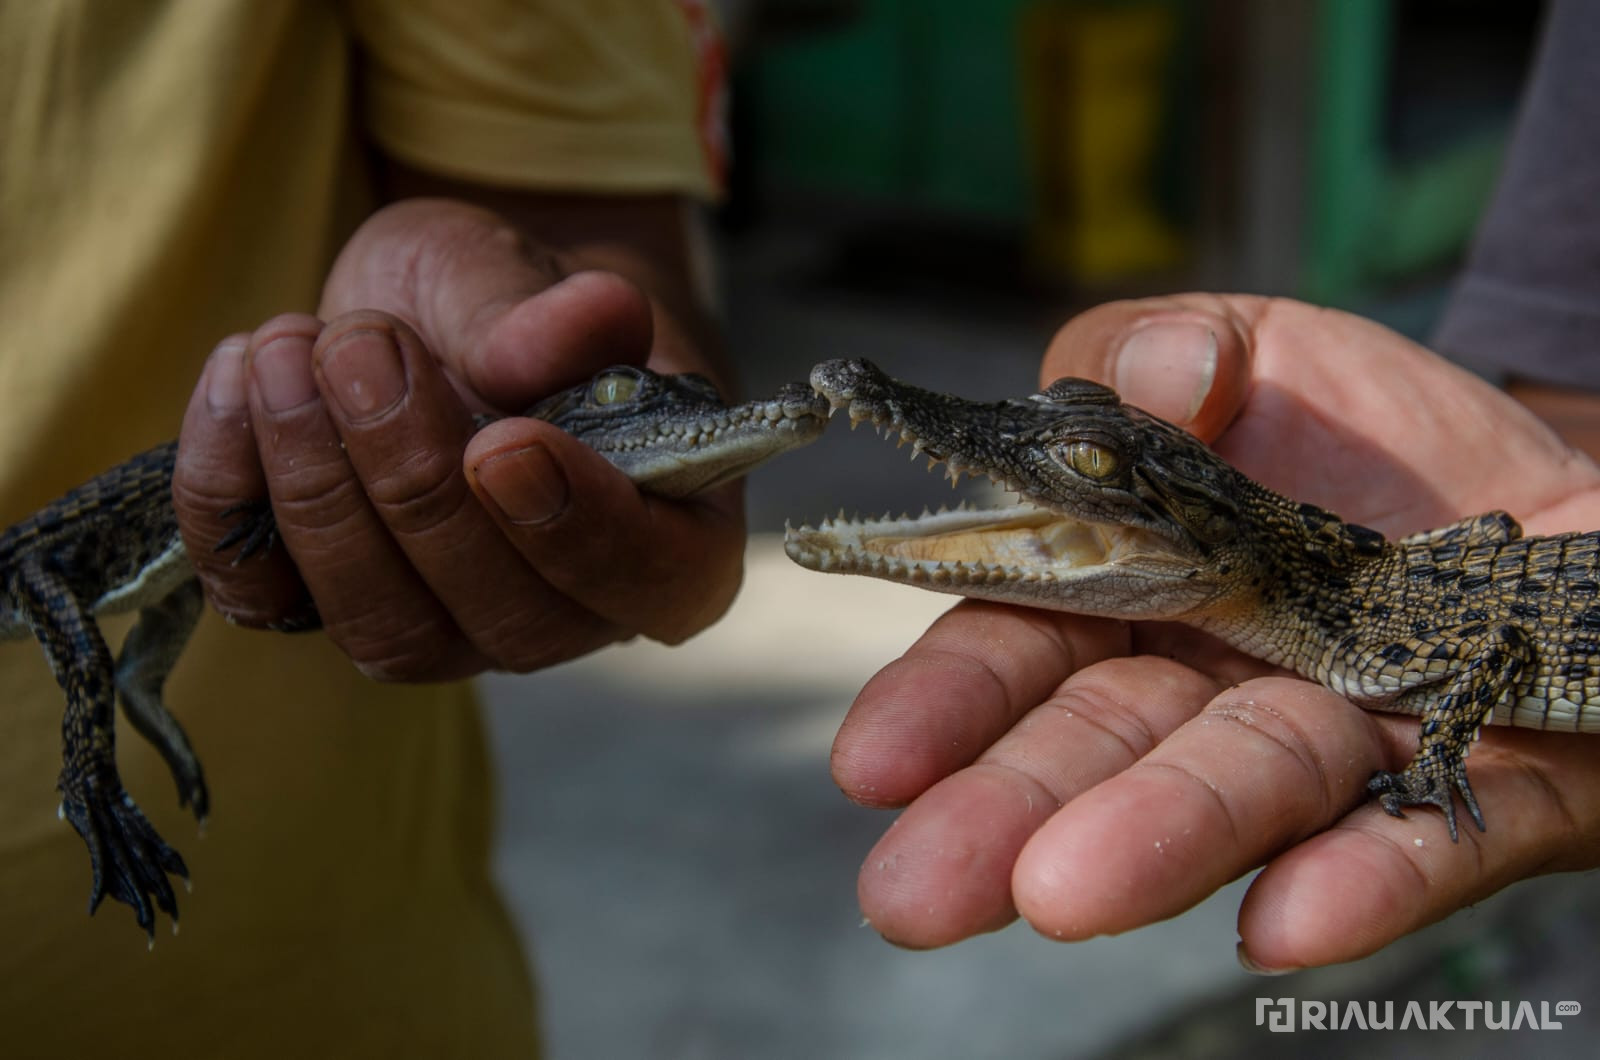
(1094, 775)
(432, 551)
(112, 545)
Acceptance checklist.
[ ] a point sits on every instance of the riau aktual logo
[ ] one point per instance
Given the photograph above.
(1286, 1015)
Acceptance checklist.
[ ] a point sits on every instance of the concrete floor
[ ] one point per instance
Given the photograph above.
(685, 868)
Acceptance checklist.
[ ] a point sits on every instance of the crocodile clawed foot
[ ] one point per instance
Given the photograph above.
(130, 860)
(1419, 785)
(256, 529)
(194, 795)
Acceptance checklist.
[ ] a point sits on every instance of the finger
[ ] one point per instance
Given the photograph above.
(506, 318)
(403, 431)
(217, 469)
(555, 338)
(944, 871)
(1185, 358)
(662, 568)
(372, 603)
(961, 686)
(1202, 651)
(1350, 891)
(1265, 764)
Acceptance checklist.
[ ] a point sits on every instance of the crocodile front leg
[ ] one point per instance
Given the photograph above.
(130, 861)
(1484, 666)
(148, 655)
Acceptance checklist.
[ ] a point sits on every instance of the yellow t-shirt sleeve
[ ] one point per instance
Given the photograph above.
(586, 95)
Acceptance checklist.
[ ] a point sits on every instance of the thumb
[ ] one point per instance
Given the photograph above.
(1185, 358)
(500, 313)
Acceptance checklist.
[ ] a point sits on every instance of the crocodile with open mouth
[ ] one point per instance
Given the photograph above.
(1122, 516)
(1125, 516)
(112, 545)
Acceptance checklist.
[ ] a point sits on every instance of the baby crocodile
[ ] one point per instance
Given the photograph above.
(112, 545)
(1126, 516)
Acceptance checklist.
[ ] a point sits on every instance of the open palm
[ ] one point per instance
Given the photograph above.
(1095, 776)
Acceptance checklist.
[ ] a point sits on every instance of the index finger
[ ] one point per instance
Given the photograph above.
(661, 567)
(956, 691)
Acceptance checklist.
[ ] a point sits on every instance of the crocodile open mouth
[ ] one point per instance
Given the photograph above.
(976, 546)
(1020, 546)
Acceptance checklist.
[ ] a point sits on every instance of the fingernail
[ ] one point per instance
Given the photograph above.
(1167, 368)
(1249, 964)
(527, 484)
(226, 389)
(282, 372)
(365, 374)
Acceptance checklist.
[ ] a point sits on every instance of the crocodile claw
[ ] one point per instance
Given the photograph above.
(130, 860)
(193, 794)
(1421, 786)
(255, 532)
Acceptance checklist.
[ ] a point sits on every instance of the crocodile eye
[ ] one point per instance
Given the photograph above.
(613, 387)
(1094, 461)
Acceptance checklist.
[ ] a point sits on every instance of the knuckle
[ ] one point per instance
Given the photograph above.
(1106, 713)
(1272, 721)
(524, 643)
(464, 233)
(311, 500)
(273, 599)
(233, 341)
(202, 495)
(424, 491)
(299, 324)
(208, 479)
(392, 652)
(362, 320)
(693, 611)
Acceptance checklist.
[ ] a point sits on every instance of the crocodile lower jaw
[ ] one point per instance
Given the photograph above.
(1022, 553)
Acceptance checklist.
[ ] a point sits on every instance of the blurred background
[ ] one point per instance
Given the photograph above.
(937, 185)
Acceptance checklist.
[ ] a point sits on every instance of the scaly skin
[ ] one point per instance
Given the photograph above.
(1125, 516)
(112, 545)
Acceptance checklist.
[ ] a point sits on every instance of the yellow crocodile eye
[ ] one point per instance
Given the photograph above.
(614, 387)
(1095, 461)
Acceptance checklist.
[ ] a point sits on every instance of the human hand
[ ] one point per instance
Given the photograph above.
(1096, 776)
(433, 551)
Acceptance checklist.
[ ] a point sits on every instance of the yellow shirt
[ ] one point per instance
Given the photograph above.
(171, 172)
